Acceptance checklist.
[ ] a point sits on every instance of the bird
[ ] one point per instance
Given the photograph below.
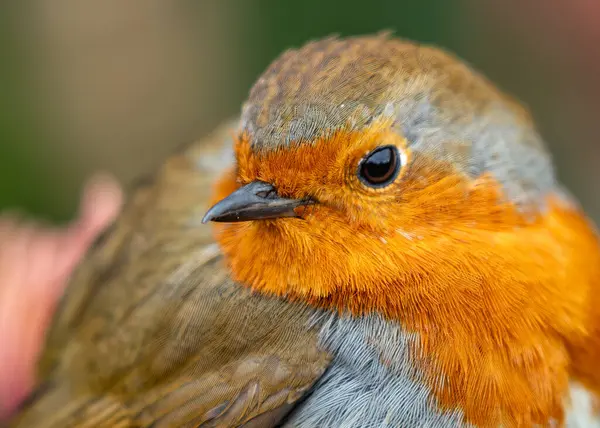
(379, 240)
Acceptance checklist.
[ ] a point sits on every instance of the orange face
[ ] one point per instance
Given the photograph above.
(491, 292)
(358, 233)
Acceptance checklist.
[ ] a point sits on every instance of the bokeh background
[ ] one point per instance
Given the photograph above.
(116, 85)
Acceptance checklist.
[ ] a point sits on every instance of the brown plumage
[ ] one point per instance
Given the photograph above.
(154, 332)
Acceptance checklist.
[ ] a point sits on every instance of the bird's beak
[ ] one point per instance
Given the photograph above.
(255, 201)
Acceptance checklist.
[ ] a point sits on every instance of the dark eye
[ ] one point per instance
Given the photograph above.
(380, 167)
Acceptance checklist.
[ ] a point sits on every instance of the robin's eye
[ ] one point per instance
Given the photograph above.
(380, 167)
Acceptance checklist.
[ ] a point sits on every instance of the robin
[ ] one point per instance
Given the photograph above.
(391, 248)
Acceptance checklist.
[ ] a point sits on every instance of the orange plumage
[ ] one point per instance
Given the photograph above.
(470, 273)
(504, 298)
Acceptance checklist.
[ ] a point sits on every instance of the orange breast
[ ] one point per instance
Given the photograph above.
(506, 307)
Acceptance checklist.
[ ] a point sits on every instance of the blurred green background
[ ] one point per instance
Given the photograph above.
(116, 85)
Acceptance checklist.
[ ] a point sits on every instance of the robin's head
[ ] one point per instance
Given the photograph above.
(371, 161)
(376, 175)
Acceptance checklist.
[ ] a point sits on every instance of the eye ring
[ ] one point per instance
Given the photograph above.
(380, 167)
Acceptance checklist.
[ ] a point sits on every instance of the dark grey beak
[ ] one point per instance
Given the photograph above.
(255, 201)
